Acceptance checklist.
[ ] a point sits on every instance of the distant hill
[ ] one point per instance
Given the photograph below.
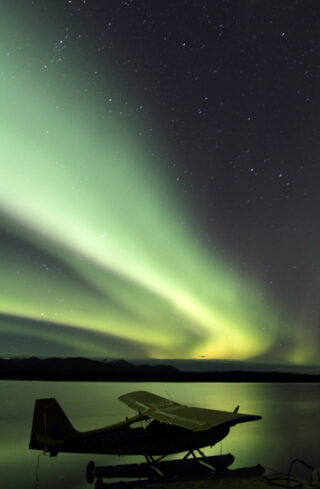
(84, 369)
(226, 365)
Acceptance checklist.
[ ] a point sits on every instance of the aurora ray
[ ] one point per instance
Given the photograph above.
(96, 235)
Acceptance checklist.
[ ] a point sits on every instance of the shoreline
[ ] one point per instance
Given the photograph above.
(85, 370)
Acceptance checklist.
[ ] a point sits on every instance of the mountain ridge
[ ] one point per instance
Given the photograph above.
(119, 370)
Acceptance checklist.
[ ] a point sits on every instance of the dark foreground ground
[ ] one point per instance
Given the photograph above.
(241, 483)
(212, 482)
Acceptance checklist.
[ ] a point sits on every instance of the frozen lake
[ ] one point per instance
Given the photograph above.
(289, 428)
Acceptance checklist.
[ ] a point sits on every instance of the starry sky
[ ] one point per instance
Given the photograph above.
(159, 179)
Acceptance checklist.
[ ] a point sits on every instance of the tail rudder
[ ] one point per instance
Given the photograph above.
(50, 425)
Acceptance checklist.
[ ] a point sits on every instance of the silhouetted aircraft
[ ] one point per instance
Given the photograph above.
(160, 427)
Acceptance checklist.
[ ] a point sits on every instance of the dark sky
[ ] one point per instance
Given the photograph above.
(233, 89)
(225, 94)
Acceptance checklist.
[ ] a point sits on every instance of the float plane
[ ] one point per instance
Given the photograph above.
(160, 427)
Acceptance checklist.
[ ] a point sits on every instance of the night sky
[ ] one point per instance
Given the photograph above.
(159, 179)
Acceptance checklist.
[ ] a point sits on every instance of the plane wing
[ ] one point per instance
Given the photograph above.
(195, 419)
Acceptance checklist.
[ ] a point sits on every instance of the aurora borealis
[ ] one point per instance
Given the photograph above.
(158, 191)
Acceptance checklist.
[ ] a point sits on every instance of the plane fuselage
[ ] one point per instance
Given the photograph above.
(156, 439)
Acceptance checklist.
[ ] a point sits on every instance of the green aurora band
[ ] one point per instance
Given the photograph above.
(98, 238)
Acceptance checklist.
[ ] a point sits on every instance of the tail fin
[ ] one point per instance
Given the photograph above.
(50, 426)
